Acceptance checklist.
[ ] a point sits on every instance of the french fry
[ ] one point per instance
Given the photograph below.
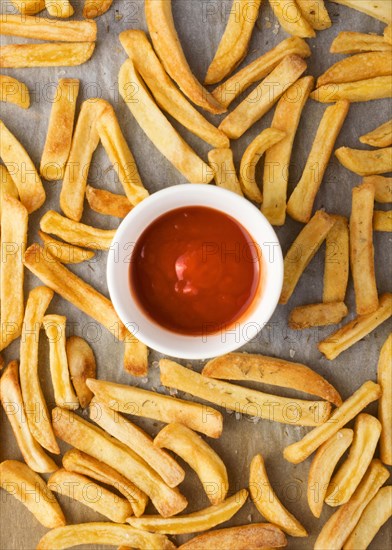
(255, 150)
(222, 164)
(139, 402)
(336, 267)
(138, 441)
(12, 401)
(48, 29)
(356, 329)
(59, 137)
(388, 34)
(382, 220)
(14, 220)
(81, 364)
(51, 54)
(302, 251)
(357, 67)
(299, 451)
(7, 186)
(263, 97)
(78, 487)
(322, 467)
(381, 10)
(376, 513)
(382, 187)
(384, 378)
(59, 8)
(272, 371)
(317, 315)
(14, 91)
(340, 525)
(367, 431)
(244, 400)
(357, 42)
(207, 464)
(135, 356)
(300, 203)
(165, 92)
(95, 8)
(73, 289)
(92, 440)
(102, 533)
(365, 163)
(362, 250)
(267, 502)
(380, 136)
(64, 252)
(76, 233)
(105, 202)
(362, 90)
(157, 127)
(291, 18)
(277, 158)
(22, 170)
(159, 19)
(29, 7)
(315, 13)
(234, 43)
(197, 521)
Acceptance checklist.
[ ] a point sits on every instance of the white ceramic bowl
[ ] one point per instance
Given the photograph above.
(203, 346)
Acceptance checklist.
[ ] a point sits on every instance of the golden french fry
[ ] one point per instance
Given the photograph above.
(105, 202)
(12, 401)
(277, 158)
(59, 8)
(30, 489)
(53, 54)
(267, 503)
(135, 356)
(14, 91)
(29, 7)
(207, 464)
(380, 136)
(76, 233)
(263, 97)
(157, 127)
(317, 315)
(365, 163)
(48, 29)
(255, 150)
(234, 43)
(357, 42)
(14, 220)
(75, 290)
(59, 137)
(388, 34)
(322, 467)
(336, 267)
(139, 402)
(273, 371)
(7, 186)
(382, 186)
(382, 220)
(357, 67)
(356, 329)
(92, 440)
(138, 441)
(291, 19)
(315, 13)
(362, 90)
(381, 9)
(299, 451)
(222, 164)
(244, 400)
(22, 170)
(95, 8)
(302, 251)
(300, 203)
(340, 525)
(81, 364)
(64, 252)
(384, 378)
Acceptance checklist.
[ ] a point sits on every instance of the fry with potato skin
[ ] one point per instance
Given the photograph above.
(48, 29)
(51, 54)
(64, 252)
(380, 136)
(107, 203)
(361, 90)
(336, 266)
(81, 364)
(357, 42)
(382, 187)
(379, 10)
(315, 13)
(317, 315)
(222, 164)
(384, 378)
(293, 23)
(382, 220)
(14, 91)
(29, 7)
(357, 67)
(59, 8)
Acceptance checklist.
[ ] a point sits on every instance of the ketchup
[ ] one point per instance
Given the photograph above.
(195, 270)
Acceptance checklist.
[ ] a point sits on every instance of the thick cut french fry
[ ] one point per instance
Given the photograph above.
(59, 137)
(356, 329)
(340, 525)
(300, 203)
(382, 187)
(157, 127)
(244, 400)
(105, 202)
(255, 150)
(235, 40)
(322, 467)
(135, 360)
(139, 402)
(277, 158)
(272, 371)
(166, 43)
(299, 451)
(362, 250)
(263, 97)
(336, 267)
(208, 466)
(29, 7)
(357, 42)
(52, 54)
(22, 170)
(138, 441)
(381, 9)
(302, 251)
(92, 440)
(75, 290)
(363, 90)
(59, 8)
(14, 220)
(30, 489)
(12, 401)
(317, 315)
(95, 8)
(48, 29)
(192, 523)
(357, 67)
(222, 164)
(14, 91)
(165, 92)
(64, 252)
(367, 431)
(291, 18)
(382, 220)
(384, 378)
(388, 34)
(7, 186)
(81, 364)
(80, 487)
(267, 502)
(380, 136)
(315, 13)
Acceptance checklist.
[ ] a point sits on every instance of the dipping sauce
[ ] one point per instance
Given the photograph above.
(195, 270)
